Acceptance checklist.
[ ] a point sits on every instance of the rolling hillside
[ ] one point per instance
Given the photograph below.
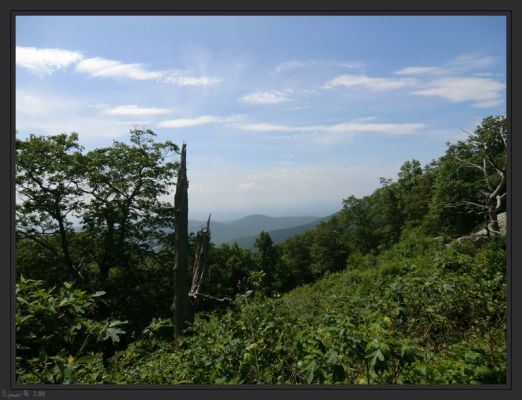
(245, 230)
(277, 235)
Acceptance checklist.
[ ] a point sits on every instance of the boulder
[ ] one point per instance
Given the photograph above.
(502, 222)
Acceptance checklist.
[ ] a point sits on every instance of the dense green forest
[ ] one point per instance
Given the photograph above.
(405, 285)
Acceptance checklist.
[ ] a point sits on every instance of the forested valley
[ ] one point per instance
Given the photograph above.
(406, 285)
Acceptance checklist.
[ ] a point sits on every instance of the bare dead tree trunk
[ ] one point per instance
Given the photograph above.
(180, 305)
(201, 258)
(493, 194)
(200, 266)
(494, 202)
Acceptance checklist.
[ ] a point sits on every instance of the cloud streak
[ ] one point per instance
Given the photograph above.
(134, 110)
(268, 97)
(370, 83)
(191, 80)
(482, 92)
(45, 61)
(345, 127)
(463, 62)
(105, 68)
(201, 120)
(302, 64)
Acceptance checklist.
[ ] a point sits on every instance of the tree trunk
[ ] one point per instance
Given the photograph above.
(180, 304)
(200, 266)
(492, 217)
(108, 257)
(65, 247)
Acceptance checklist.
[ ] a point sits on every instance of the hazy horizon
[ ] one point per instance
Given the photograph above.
(318, 211)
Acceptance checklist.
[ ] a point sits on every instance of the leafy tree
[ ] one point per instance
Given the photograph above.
(124, 216)
(470, 183)
(296, 259)
(114, 195)
(414, 191)
(229, 267)
(330, 248)
(386, 213)
(486, 152)
(267, 258)
(357, 218)
(48, 172)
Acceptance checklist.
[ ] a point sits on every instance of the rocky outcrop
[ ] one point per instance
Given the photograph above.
(478, 237)
(502, 222)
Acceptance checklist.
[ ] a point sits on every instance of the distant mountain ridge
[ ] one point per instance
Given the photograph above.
(278, 235)
(243, 229)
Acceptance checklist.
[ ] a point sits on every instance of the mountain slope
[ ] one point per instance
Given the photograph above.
(383, 320)
(277, 235)
(251, 225)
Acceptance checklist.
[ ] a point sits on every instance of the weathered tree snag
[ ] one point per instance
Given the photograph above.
(185, 300)
(201, 258)
(494, 194)
(180, 305)
(202, 253)
(200, 266)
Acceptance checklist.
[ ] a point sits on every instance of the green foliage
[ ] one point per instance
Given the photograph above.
(124, 242)
(466, 179)
(427, 324)
(267, 259)
(47, 177)
(56, 341)
(296, 259)
(228, 269)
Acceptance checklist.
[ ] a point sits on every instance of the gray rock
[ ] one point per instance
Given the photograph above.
(502, 222)
(440, 239)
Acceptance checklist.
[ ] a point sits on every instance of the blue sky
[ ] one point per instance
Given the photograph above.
(281, 115)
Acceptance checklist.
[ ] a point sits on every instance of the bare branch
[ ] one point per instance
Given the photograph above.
(464, 203)
(503, 135)
(467, 163)
(466, 131)
(501, 185)
(485, 173)
(499, 170)
(196, 295)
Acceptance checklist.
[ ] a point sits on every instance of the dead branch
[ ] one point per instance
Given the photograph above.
(207, 296)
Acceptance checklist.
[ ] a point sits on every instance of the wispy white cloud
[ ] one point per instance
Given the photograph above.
(482, 92)
(418, 70)
(103, 67)
(191, 80)
(134, 110)
(300, 64)
(268, 97)
(201, 120)
(32, 105)
(106, 68)
(47, 113)
(291, 65)
(370, 83)
(135, 123)
(345, 127)
(463, 62)
(42, 61)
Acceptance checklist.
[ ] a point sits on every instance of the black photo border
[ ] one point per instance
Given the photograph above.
(11, 8)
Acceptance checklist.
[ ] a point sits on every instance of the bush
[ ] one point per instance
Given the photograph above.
(55, 336)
